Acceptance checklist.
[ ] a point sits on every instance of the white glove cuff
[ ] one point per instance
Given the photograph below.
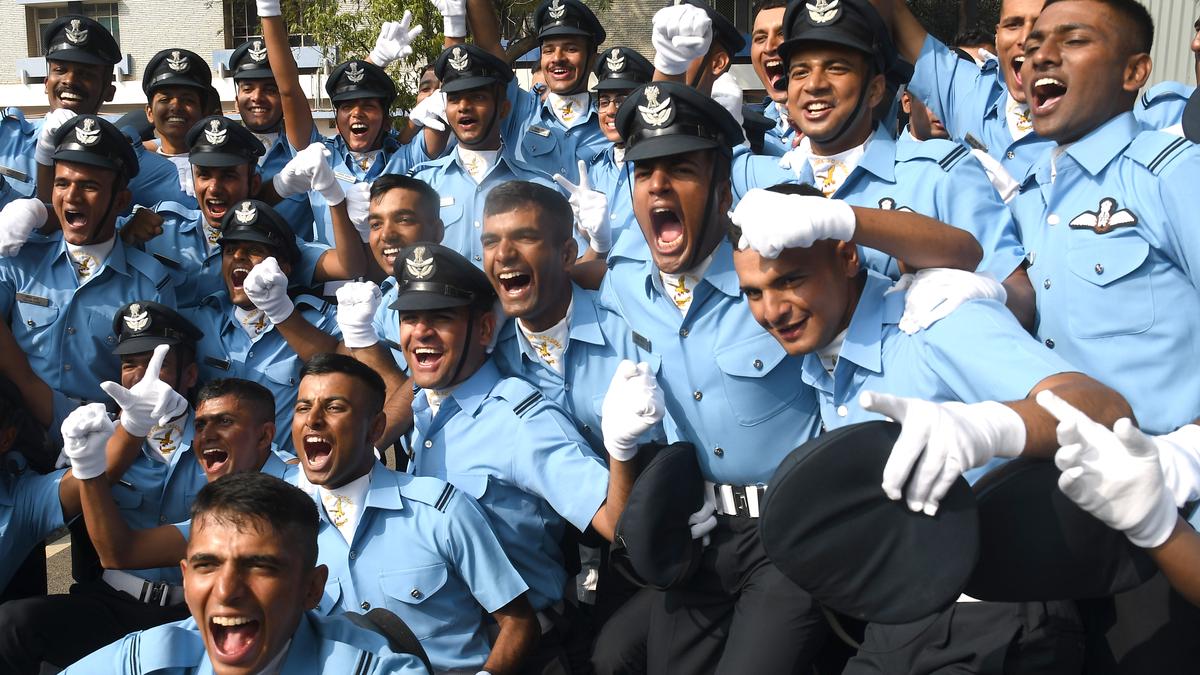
(279, 310)
(1003, 426)
(1179, 457)
(621, 453)
(358, 337)
(840, 221)
(42, 155)
(377, 57)
(334, 194)
(668, 66)
(137, 428)
(454, 25)
(281, 187)
(600, 245)
(268, 8)
(1157, 526)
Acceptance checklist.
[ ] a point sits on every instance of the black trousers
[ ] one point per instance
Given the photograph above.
(61, 629)
(737, 614)
(977, 638)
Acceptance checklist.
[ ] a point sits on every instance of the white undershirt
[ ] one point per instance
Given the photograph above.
(436, 398)
(550, 345)
(268, 139)
(1017, 117)
(679, 287)
(343, 505)
(364, 160)
(830, 171)
(477, 163)
(570, 110)
(88, 259)
(183, 167)
(829, 353)
(253, 321)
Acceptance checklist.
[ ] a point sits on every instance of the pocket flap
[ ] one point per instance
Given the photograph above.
(413, 586)
(754, 357)
(1104, 261)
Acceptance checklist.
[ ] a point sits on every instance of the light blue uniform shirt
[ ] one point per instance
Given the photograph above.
(1122, 303)
(1162, 105)
(29, 511)
(501, 441)
(941, 363)
(320, 645)
(750, 171)
(969, 99)
(296, 210)
(731, 389)
(227, 351)
(195, 267)
(598, 340)
(936, 178)
(277, 464)
(534, 135)
(777, 141)
(425, 551)
(66, 329)
(615, 180)
(18, 170)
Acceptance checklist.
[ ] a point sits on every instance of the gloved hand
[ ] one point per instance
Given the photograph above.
(1001, 179)
(85, 434)
(358, 207)
(705, 520)
(267, 8)
(1113, 475)
(309, 170)
(394, 40)
(431, 112)
(357, 303)
(633, 405)
(772, 222)
(590, 208)
(148, 402)
(454, 17)
(266, 286)
(726, 91)
(939, 441)
(18, 220)
(932, 294)
(797, 158)
(681, 34)
(45, 142)
(1179, 455)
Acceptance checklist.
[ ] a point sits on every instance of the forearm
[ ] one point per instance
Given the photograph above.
(117, 545)
(397, 406)
(485, 28)
(39, 399)
(267, 193)
(519, 632)
(436, 141)
(1020, 298)
(45, 186)
(346, 260)
(1094, 399)
(620, 482)
(122, 449)
(304, 338)
(907, 31)
(589, 273)
(919, 241)
(1179, 560)
(297, 115)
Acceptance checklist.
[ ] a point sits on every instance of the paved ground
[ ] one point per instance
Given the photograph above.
(58, 563)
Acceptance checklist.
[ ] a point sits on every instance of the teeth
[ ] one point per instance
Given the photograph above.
(207, 451)
(230, 620)
(241, 269)
(175, 120)
(817, 106)
(505, 276)
(1019, 60)
(391, 251)
(425, 350)
(358, 128)
(1048, 81)
(314, 439)
(774, 63)
(70, 96)
(661, 211)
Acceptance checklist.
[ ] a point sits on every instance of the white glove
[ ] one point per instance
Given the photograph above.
(85, 434)
(45, 142)
(772, 222)
(705, 520)
(1179, 454)
(1113, 475)
(309, 170)
(148, 402)
(266, 286)
(590, 208)
(633, 405)
(394, 40)
(797, 158)
(939, 441)
(18, 220)
(726, 91)
(358, 207)
(454, 17)
(932, 294)
(357, 304)
(431, 112)
(1001, 179)
(267, 8)
(681, 34)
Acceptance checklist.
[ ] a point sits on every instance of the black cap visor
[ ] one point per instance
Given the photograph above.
(66, 154)
(145, 343)
(418, 296)
(65, 52)
(667, 144)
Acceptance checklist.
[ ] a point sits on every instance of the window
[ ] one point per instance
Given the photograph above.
(40, 17)
(241, 24)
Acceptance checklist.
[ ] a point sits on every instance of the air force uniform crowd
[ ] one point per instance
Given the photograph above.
(893, 372)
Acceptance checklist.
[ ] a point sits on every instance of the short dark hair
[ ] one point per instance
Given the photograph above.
(429, 201)
(327, 363)
(735, 233)
(760, 5)
(974, 36)
(247, 499)
(253, 395)
(556, 215)
(1138, 25)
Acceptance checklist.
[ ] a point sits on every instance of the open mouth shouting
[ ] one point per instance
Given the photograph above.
(427, 359)
(1017, 63)
(214, 461)
(390, 252)
(776, 73)
(669, 239)
(318, 452)
(561, 72)
(359, 130)
(237, 276)
(467, 124)
(76, 221)
(514, 285)
(1047, 93)
(216, 208)
(234, 638)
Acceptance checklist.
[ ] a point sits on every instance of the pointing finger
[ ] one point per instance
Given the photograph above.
(156, 361)
(567, 185)
(894, 407)
(1062, 411)
(584, 183)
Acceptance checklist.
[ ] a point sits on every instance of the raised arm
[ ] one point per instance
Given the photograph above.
(485, 26)
(357, 304)
(266, 286)
(297, 114)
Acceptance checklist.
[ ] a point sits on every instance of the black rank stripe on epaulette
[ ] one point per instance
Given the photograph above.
(1146, 99)
(167, 262)
(164, 282)
(955, 155)
(365, 661)
(133, 653)
(216, 363)
(444, 499)
(524, 406)
(1167, 153)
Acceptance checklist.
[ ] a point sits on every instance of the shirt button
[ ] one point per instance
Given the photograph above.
(416, 593)
(477, 258)
(162, 519)
(718, 452)
(1046, 284)
(683, 332)
(30, 323)
(429, 444)
(366, 605)
(353, 554)
(477, 224)
(566, 386)
(587, 429)
(697, 394)
(110, 339)
(1099, 268)
(67, 367)
(70, 330)
(1052, 219)
(1011, 155)
(842, 411)
(250, 355)
(1050, 343)
(758, 364)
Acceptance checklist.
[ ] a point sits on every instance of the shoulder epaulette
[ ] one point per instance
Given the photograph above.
(1168, 89)
(1156, 150)
(527, 403)
(946, 153)
(430, 491)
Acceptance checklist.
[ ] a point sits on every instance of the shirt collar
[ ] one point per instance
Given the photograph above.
(721, 274)
(115, 260)
(863, 345)
(880, 155)
(1096, 150)
(383, 492)
(585, 322)
(472, 392)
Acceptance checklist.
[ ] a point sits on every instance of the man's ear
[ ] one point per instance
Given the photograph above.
(505, 108)
(190, 375)
(149, 113)
(266, 435)
(437, 230)
(255, 181)
(876, 90)
(719, 63)
(847, 255)
(110, 89)
(315, 586)
(123, 200)
(487, 327)
(1137, 71)
(377, 426)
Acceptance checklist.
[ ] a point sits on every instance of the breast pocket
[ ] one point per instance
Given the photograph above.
(538, 143)
(126, 499)
(758, 378)
(1111, 292)
(409, 592)
(283, 373)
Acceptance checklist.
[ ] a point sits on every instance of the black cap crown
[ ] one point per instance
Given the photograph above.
(357, 79)
(567, 17)
(176, 68)
(622, 69)
(432, 276)
(143, 325)
(724, 32)
(252, 220)
(88, 139)
(466, 67)
(850, 23)
(668, 118)
(218, 141)
(249, 62)
(80, 39)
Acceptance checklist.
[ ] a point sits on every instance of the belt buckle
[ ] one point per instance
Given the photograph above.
(740, 504)
(158, 593)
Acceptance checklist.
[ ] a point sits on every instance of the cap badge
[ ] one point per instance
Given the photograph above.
(354, 73)
(215, 134)
(87, 133)
(1104, 219)
(246, 213)
(823, 11)
(615, 62)
(177, 62)
(418, 265)
(75, 35)
(655, 113)
(257, 51)
(557, 9)
(138, 318)
(458, 60)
